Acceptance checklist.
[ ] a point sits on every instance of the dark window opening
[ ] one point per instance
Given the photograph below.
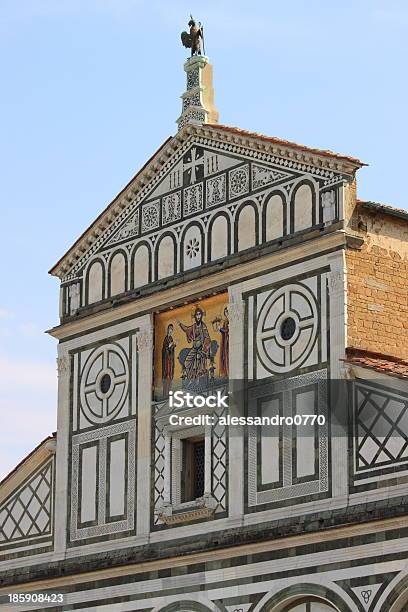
(288, 328)
(105, 383)
(192, 478)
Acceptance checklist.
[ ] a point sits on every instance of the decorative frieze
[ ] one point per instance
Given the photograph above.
(193, 199)
(63, 365)
(144, 340)
(263, 176)
(238, 181)
(236, 312)
(150, 216)
(171, 207)
(330, 169)
(216, 191)
(150, 185)
(130, 229)
(336, 281)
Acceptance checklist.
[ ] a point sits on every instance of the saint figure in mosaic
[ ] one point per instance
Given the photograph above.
(221, 325)
(224, 357)
(168, 360)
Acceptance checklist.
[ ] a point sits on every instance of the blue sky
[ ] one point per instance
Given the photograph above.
(90, 89)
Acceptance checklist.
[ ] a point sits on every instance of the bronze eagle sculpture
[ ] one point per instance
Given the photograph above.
(192, 40)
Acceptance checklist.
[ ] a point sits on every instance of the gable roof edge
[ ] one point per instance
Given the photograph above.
(26, 466)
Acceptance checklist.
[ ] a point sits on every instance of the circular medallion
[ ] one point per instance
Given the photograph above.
(104, 383)
(287, 328)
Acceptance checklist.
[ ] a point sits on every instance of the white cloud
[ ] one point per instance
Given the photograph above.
(6, 314)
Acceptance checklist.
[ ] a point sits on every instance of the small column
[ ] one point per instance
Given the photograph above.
(198, 99)
(236, 311)
(338, 339)
(144, 405)
(167, 470)
(61, 484)
(208, 462)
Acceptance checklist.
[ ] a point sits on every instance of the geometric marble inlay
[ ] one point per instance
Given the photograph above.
(28, 513)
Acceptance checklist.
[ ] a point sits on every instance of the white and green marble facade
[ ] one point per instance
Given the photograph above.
(310, 528)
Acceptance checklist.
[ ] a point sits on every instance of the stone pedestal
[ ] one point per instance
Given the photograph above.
(198, 99)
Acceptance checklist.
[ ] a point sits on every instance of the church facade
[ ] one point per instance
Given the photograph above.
(239, 264)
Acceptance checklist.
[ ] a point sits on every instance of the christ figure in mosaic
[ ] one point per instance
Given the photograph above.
(168, 360)
(196, 358)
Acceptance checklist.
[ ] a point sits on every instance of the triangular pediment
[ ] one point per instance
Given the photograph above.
(200, 168)
(199, 178)
(197, 163)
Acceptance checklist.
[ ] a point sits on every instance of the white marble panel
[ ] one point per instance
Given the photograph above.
(117, 475)
(192, 248)
(274, 218)
(219, 238)
(305, 441)
(141, 266)
(89, 459)
(303, 207)
(165, 266)
(117, 274)
(95, 282)
(270, 444)
(246, 228)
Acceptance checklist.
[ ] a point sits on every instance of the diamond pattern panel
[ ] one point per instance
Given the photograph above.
(219, 464)
(381, 428)
(28, 513)
(159, 464)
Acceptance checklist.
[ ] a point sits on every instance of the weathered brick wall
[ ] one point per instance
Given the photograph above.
(377, 277)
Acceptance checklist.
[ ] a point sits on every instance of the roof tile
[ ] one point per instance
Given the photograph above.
(386, 364)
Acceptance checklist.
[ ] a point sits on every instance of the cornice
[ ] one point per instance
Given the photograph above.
(290, 151)
(337, 525)
(214, 282)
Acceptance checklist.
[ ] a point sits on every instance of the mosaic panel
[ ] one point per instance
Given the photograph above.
(192, 347)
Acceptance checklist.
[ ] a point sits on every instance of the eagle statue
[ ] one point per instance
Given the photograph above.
(192, 40)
